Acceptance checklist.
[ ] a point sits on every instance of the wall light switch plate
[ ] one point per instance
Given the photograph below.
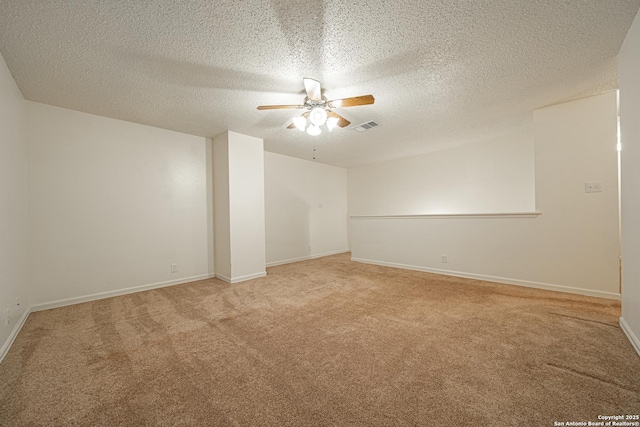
(593, 187)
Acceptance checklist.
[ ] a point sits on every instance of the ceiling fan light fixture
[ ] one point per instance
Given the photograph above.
(332, 122)
(318, 110)
(318, 116)
(313, 130)
(300, 122)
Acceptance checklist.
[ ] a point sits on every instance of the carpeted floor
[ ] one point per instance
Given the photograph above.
(323, 342)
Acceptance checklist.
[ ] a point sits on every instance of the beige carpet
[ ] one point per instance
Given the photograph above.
(323, 342)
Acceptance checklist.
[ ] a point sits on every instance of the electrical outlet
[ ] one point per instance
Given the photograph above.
(593, 187)
(443, 258)
(8, 318)
(174, 268)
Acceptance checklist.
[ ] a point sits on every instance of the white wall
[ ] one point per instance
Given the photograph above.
(246, 206)
(221, 206)
(572, 246)
(13, 207)
(629, 70)
(113, 204)
(306, 209)
(495, 176)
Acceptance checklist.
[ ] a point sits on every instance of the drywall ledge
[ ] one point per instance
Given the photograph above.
(496, 279)
(635, 342)
(14, 334)
(452, 215)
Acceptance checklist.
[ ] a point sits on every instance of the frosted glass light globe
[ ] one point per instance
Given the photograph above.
(300, 122)
(332, 122)
(318, 116)
(313, 130)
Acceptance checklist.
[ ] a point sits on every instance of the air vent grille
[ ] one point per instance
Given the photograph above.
(366, 126)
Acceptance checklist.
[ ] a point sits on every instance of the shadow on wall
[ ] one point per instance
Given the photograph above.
(288, 233)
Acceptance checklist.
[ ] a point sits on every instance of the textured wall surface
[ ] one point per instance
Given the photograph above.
(572, 246)
(306, 208)
(113, 204)
(630, 170)
(494, 176)
(13, 206)
(246, 206)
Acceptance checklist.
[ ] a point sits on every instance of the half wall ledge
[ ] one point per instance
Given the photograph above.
(452, 216)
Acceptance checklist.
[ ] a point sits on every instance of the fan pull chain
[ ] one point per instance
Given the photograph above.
(314, 151)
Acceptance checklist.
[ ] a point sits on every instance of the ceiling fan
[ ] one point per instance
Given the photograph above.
(319, 109)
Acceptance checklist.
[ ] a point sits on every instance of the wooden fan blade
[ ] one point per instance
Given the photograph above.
(278, 107)
(293, 126)
(313, 89)
(352, 102)
(342, 122)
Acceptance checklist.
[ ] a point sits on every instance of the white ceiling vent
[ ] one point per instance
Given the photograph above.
(366, 126)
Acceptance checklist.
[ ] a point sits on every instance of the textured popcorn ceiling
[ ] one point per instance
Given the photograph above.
(442, 72)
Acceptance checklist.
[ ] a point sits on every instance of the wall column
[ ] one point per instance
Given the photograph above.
(628, 69)
(239, 218)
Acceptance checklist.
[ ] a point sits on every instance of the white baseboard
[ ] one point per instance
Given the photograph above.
(288, 261)
(91, 297)
(16, 330)
(507, 281)
(223, 277)
(635, 342)
(118, 292)
(241, 278)
(305, 258)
